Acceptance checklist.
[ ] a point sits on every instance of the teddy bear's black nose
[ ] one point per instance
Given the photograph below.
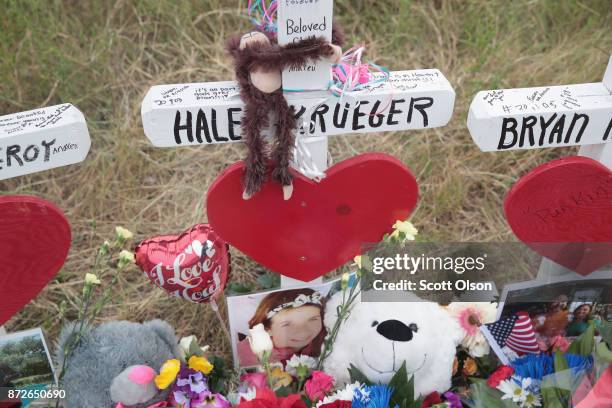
(395, 330)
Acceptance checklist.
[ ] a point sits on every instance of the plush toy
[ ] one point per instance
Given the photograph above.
(378, 337)
(115, 364)
(259, 61)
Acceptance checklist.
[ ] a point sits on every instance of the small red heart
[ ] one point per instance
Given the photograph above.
(563, 211)
(323, 225)
(34, 243)
(193, 265)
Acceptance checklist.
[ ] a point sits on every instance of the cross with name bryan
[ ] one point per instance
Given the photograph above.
(210, 113)
(542, 117)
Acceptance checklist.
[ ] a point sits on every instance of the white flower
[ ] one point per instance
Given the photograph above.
(91, 279)
(531, 400)
(123, 234)
(300, 365)
(357, 261)
(511, 391)
(236, 397)
(345, 394)
(125, 258)
(407, 228)
(260, 341)
(344, 281)
(248, 395)
(186, 345)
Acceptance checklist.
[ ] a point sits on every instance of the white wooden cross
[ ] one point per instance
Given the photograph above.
(209, 113)
(41, 139)
(550, 116)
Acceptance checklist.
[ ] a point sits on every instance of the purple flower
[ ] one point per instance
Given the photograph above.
(453, 400)
(209, 400)
(188, 386)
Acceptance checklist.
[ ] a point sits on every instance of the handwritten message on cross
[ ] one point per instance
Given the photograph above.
(544, 117)
(42, 139)
(209, 113)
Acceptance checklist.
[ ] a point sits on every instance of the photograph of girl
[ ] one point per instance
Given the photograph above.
(293, 318)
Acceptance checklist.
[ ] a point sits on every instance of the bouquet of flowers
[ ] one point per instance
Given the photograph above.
(578, 374)
(195, 382)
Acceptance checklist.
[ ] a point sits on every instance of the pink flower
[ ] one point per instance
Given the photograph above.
(559, 343)
(257, 380)
(318, 385)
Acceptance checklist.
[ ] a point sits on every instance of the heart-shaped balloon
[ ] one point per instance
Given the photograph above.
(323, 225)
(563, 210)
(34, 243)
(193, 265)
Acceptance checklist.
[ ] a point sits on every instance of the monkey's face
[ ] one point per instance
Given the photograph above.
(254, 37)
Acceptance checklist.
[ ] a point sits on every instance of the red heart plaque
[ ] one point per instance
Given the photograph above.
(324, 224)
(193, 265)
(34, 243)
(563, 210)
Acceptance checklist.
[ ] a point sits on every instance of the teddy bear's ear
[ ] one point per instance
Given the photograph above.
(164, 331)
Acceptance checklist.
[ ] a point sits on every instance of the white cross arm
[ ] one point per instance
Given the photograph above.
(551, 116)
(42, 139)
(210, 113)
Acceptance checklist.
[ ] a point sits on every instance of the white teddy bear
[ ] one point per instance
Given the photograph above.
(378, 337)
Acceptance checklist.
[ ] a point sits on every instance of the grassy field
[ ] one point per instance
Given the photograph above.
(103, 56)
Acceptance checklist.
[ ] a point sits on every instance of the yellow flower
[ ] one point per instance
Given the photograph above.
(469, 367)
(123, 234)
(280, 378)
(168, 374)
(407, 228)
(357, 261)
(200, 364)
(91, 279)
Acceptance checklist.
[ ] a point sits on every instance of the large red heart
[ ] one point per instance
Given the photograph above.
(324, 224)
(193, 265)
(34, 243)
(563, 210)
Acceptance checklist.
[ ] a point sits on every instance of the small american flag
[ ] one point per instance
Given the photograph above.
(515, 332)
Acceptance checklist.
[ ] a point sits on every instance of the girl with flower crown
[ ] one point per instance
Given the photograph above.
(294, 320)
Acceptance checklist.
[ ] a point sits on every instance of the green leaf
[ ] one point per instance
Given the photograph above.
(356, 375)
(560, 363)
(584, 344)
(403, 388)
(484, 396)
(605, 330)
(551, 398)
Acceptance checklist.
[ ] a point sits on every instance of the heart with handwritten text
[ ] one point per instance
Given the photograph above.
(324, 224)
(193, 265)
(563, 210)
(34, 242)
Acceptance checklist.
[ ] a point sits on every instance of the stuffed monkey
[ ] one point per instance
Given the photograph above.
(259, 61)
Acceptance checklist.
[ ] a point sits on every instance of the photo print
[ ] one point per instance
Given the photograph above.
(293, 317)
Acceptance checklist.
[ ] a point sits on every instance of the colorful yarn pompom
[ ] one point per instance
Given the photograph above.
(262, 15)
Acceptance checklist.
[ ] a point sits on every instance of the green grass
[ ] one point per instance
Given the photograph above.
(103, 56)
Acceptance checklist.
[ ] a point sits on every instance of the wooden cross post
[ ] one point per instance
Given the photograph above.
(41, 139)
(541, 117)
(210, 113)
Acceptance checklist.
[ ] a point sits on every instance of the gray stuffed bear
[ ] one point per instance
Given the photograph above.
(115, 364)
